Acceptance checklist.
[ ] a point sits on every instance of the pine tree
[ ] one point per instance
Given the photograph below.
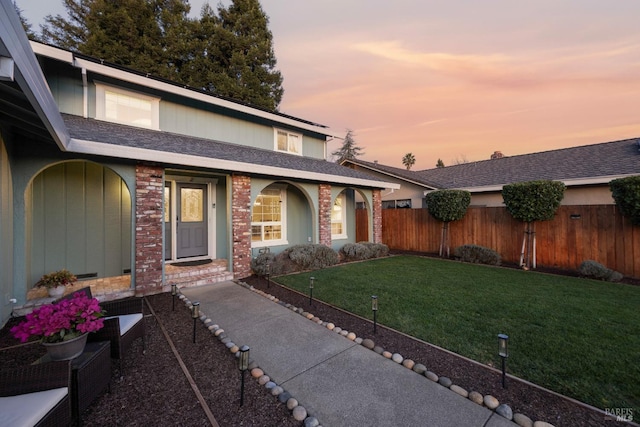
(349, 148)
(440, 163)
(230, 54)
(25, 24)
(246, 70)
(408, 160)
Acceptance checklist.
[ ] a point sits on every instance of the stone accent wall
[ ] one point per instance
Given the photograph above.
(377, 216)
(241, 225)
(324, 214)
(149, 223)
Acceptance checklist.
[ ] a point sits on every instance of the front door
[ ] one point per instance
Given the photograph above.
(191, 225)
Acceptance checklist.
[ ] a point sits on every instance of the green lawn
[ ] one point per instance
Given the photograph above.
(575, 336)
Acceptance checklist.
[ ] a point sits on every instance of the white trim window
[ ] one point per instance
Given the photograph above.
(338, 218)
(268, 225)
(288, 142)
(126, 107)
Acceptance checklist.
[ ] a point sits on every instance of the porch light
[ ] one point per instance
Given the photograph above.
(195, 313)
(243, 365)
(374, 308)
(503, 352)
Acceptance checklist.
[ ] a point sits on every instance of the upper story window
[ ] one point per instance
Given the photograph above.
(338, 218)
(129, 108)
(268, 218)
(288, 142)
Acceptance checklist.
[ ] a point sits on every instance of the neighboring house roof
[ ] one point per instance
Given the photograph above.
(390, 171)
(104, 138)
(587, 164)
(584, 165)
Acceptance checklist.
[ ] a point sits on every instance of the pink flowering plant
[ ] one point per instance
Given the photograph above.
(62, 321)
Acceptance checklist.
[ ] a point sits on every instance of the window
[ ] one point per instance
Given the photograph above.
(338, 218)
(130, 108)
(267, 217)
(288, 142)
(396, 204)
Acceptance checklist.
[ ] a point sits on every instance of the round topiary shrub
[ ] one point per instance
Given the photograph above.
(595, 270)
(477, 254)
(626, 193)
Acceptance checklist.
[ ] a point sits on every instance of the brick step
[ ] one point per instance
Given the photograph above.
(213, 272)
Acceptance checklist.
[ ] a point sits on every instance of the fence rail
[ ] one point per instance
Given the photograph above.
(577, 233)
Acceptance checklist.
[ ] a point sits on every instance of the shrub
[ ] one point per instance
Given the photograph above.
(595, 270)
(363, 250)
(378, 250)
(477, 254)
(259, 264)
(626, 193)
(312, 256)
(355, 252)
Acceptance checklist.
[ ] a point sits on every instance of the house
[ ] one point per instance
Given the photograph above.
(112, 173)
(586, 171)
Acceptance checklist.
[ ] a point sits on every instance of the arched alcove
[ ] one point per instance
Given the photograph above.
(78, 218)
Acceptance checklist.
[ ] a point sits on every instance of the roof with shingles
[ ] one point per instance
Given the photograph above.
(133, 137)
(602, 160)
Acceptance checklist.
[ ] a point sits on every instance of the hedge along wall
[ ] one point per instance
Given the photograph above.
(577, 233)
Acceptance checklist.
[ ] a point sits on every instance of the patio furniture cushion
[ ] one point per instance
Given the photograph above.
(127, 321)
(27, 409)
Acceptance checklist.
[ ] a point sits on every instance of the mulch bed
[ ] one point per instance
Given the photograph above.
(154, 390)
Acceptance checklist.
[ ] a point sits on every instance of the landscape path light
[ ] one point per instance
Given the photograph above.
(195, 313)
(268, 274)
(174, 292)
(243, 365)
(374, 308)
(503, 352)
(312, 281)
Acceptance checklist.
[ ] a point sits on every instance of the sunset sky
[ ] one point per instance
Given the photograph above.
(453, 80)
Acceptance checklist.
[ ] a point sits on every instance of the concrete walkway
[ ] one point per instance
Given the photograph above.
(338, 381)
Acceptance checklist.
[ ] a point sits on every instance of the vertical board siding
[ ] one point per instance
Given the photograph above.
(80, 220)
(598, 232)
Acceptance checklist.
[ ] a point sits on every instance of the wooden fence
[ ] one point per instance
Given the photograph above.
(577, 233)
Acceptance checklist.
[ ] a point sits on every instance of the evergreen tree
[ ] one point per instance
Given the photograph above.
(440, 163)
(68, 34)
(349, 148)
(408, 160)
(230, 55)
(246, 69)
(25, 24)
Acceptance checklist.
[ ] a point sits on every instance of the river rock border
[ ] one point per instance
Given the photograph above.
(300, 413)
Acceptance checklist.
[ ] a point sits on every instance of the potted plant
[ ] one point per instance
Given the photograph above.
(63, 326)
(56, 282)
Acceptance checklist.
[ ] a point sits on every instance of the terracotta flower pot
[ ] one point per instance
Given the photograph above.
(66, 350)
